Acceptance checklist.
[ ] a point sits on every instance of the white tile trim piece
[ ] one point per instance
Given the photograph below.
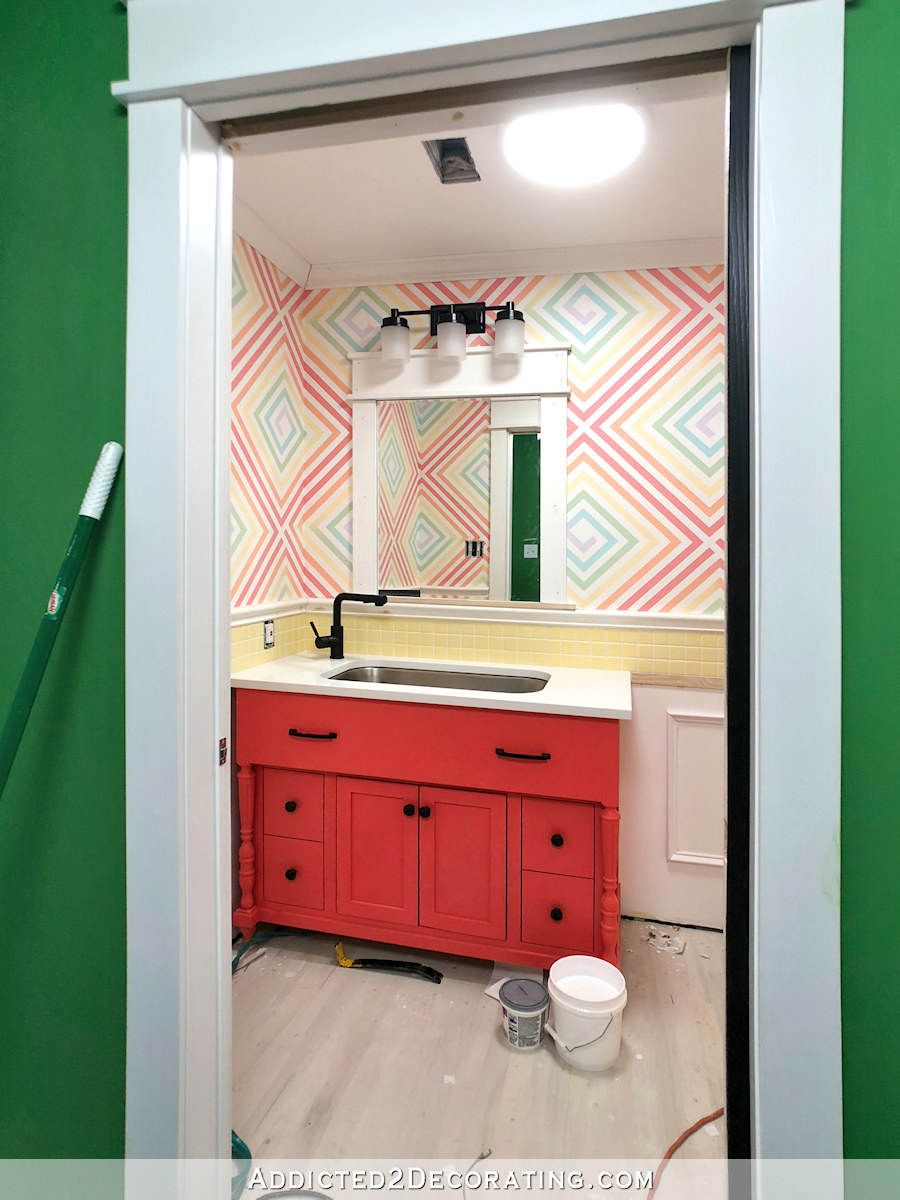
(474, 610)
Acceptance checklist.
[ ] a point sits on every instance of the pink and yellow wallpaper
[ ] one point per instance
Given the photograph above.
(646, 447)
(434, 479)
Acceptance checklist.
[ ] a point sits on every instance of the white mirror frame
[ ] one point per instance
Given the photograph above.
(529, 393)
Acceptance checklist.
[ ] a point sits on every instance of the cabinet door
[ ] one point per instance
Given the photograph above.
(377, 836)
(462, 861)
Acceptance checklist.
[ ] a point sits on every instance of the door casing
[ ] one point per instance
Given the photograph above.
(186, 67)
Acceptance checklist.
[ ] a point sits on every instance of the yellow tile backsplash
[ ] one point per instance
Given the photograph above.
(648, 651)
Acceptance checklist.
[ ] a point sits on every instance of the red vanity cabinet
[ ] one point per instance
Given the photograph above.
(484, 832)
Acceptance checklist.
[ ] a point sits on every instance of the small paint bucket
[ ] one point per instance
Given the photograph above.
(524, 1004)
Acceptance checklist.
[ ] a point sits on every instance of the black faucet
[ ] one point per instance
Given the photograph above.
(336, 640)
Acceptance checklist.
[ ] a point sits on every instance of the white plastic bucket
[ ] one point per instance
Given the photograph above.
(587, 996)
(524, 1004)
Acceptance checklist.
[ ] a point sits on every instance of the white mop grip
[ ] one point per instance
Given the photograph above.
(102, 480)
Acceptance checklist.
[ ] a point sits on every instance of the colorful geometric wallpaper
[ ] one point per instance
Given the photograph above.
(646, 430)
(290, 446)
(434, 488)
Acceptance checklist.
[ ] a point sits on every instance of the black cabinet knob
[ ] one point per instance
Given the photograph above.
(409, 810)
(290, 806)
(425, 811)
(290, 873)
(557, 839)
(555, 914)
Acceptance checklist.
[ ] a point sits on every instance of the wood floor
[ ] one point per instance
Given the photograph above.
(331, 1063)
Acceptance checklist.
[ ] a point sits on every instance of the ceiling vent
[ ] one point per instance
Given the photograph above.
(452, 160)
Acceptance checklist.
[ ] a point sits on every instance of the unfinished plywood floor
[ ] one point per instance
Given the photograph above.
(337, 1063)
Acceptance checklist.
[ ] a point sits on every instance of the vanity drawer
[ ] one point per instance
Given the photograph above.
(558, 910)
(293, 804)
(572, 757)
(558, 836)
(293, 872)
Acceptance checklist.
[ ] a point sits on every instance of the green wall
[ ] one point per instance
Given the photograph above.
(62, 332)
(871, 579)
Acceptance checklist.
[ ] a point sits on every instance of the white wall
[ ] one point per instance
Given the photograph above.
(672, 805)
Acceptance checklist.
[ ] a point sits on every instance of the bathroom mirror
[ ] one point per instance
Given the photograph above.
(459, 479)
(434, 497)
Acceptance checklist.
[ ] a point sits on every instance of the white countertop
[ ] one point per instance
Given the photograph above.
(575, 691)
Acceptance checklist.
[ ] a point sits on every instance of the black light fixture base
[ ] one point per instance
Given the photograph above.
(471, 314)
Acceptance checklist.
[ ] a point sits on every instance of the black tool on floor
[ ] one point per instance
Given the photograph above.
(399, 965)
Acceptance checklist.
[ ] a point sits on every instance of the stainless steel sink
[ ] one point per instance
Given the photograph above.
(474, 681)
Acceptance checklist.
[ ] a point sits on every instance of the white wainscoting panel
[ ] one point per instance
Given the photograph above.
(696, 788)
(688, 889)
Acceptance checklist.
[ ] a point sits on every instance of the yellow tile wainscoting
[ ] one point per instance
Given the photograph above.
(647, 651)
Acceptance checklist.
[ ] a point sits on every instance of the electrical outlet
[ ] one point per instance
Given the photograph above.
(268, 635)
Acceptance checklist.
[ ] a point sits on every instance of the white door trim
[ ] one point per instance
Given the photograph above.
(796, 625)
(178, 1070)
(177, 684)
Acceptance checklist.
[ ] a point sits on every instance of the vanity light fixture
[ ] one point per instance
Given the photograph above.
(451, 324)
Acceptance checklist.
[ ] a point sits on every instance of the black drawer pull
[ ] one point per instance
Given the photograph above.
(291, 873)
(557, 839)
(425, 811)
(322, 737)
(291, 806)
(545, 757)
(555, 914)
(409, 810)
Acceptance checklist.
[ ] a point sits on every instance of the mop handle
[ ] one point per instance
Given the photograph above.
(88, 515)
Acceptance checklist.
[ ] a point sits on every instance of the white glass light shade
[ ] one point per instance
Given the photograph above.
(451, 341)
(574, 147)
(509, 339)
(395, 343)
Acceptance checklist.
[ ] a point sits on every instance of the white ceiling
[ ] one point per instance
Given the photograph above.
(356, 212)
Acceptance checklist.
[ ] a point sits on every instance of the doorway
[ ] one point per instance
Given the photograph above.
(795, 90)
(325, 321)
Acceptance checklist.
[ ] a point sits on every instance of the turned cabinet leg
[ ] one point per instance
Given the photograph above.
(247, 852)
(609, 885)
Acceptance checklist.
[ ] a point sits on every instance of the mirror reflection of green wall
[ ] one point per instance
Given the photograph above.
(434, 473)
(525, 523)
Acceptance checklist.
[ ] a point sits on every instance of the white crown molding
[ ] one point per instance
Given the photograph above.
(560, 260)
(253, 229)
(250, 614)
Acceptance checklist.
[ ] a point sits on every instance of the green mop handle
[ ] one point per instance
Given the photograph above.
(88, 515)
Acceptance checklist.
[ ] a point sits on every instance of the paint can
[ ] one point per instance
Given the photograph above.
(524, 1004)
